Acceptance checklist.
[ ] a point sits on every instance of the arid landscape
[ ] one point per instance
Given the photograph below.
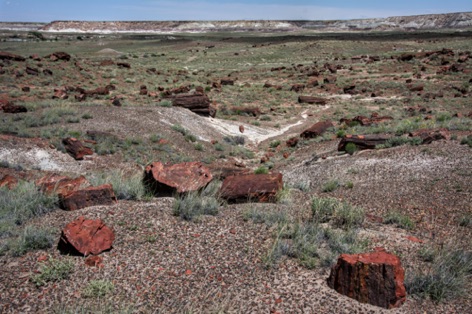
(224, 168)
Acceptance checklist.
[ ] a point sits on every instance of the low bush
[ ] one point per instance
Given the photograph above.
(31, 239)
(261, 170)
(53, 270)
(191, 206)
(351, 148)
(399, 219)
(98, 288)
(125, 186)
(341, 214)
(330, 186)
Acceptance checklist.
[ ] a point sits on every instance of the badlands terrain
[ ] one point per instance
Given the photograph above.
(370, 131)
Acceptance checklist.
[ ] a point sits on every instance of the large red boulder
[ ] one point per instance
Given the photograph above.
(167, 179)
(86, 236)
(317, 129)
(375, 278)
(75, 148)
(91, 196)
(58, 184)
(252, 187)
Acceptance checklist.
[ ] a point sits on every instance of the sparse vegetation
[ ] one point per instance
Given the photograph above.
(98, 289)
(53, 270)
(399, 219)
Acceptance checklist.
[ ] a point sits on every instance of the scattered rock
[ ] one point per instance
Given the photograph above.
(91, 196)
(199, 104)
(375, 278)
(166, 179)
(312, 100)
(292, 142)
(416, 88)
(9, 107)
(252, 187)
(430, 135)
(317, 129)
(241, 128)
(94, 261)
(227, 81)
(75, 148)
(59, 56)
(58, 184)
(32, 71)
(362, 141)
(60, 94)
(85, 237)
(9, 181)
(123, 65)
(10, 56)
(297, 87)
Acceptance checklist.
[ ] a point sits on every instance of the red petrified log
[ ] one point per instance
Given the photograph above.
(362, 141)
(92, 196)
(58, 184)
(252, 187)
(86, 236)
(166, 179)
(317, 129)
(312, 100)
(75, 148)
(375, 278)
(430, 135)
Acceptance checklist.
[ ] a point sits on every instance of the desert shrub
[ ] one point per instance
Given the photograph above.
(330, 186)
(125, 186)
(427, 254)
(465, 220)
(53, 270)
(447, 278)
(303, 186)
(154, 138)
(190, 138)
(351, 148)
(274, 144)
(219, 147)
(467, 140)
(165, 103)
(399, 219)
(261, 170)
(443, 116)
(21, 204)
(198, 146)
(234, 140)
(341, 214)
(191, 206)
(400, 140)
(31, 239)
(180, 129)
(98, 288)
(269, 218)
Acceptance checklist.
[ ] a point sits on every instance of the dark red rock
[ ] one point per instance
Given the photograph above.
(94, 261)
(375, 278)
(416, 88)
(91, 196)
(75, 148)
(9, 181)
(312, 100)
(123, 65)
(35, 57)
(47, 72)
(297, 87)
(241, 128)
(32, 71)
(85, 237)
(60, 94)
(9, 107)
(252, 187)
(59, 55)
(430, 135)
(317, 129)
(350, 90)
(406, 57)
(58, 184)
(199, 104)
(116, 102)
(25, 89)
(107, 63)
(362, 141)
(226, 81)
(166, 179)
(292, 142)
(11, 56)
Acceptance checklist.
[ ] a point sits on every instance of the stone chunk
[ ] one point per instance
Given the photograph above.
(430, 135)
(199, 104)
(252, 187)
(85, 237)
(317, 129)
(10, 56)
(75, 148)
(375, 278)
(166, 179)
(312, 100)
(362, 141)
(91, 196)
(58, 184)
(9, 181)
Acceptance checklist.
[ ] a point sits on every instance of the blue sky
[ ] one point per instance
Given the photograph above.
(106, 10)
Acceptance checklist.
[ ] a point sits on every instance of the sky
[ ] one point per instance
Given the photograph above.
(165, 10)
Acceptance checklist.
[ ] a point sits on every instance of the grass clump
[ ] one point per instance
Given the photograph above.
(53, 270)
(21, 204)
(330, 186)
(125, 186)
(261, 170)
(274, 144)
(269, 218)
(234, 140)
(447, 278)
(399, 219)
(467, 140)
(341, 214)
(98, 288)
(351, 148)
(191, 206)
(31, 239)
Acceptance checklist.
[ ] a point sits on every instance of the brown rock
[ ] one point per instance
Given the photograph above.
(123, 65)
(107, 63)
(9, 107)
(362, 141)
(35, 57)
(10, 56)
(252, 187)
(94, 261)
(297, 87)
(416, 88)
(227, 81)
(32, 71)
(199, 104)
(58, 184)
(312, 83)
(430, 135)
(241, 128)
(75, 148)
(60, 94)
(9, 181)
(312, 100)
(86, 236)
(59, 56)
(91, 196)
(375, 278)
(317, 129)
(292, 142)
(165, 179)
(25, 89)
(47, 72)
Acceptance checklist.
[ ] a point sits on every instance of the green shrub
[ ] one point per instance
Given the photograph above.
(261, 170)
(341, 214)
(190, 138)
(268, 218)
(125, 186)
(53, 270)
(400, 140)
(33, 238)
(234, 140)
(274, 144)
(192, 205)
(467, 140)
(399, 219)
(199, 147)
(447, 278)
(219, 147)
(330, 186)
(98, 288)
(351, 148)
